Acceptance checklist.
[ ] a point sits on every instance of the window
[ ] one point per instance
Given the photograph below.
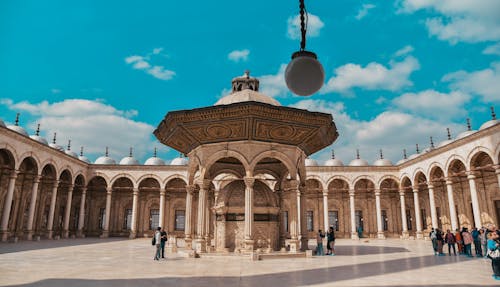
(285, 221)
(385, 225)
(127, 223)
(180, 219)
(309, 221)
(424, 218)
(102, 218)
(154, 219)
(409, 219)
(333, 219)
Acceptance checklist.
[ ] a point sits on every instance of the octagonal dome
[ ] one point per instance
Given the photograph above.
(180, 161)
(105, 160)
(129, 160)
(154, 161)
(382, 162)
(358, 162)
(246, 96)
(334, 162)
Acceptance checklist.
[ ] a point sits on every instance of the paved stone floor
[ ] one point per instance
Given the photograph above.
(123, 262)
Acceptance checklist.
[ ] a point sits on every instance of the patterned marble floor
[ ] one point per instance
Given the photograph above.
(121, 262)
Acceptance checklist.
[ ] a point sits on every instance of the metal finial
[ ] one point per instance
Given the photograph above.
(37, 130)
(130, 152)
(381, 154)
(54, 139)
(493, 115)
(181, 155)
(69, 144)
(247, 74)
(81, 151)
(449, 134)
(468, 125)
(17, 119)
(418, 150)
(432, 143)
(333, 154)
(107, 151)
(404, 154)
(357, 153)
(154, 154)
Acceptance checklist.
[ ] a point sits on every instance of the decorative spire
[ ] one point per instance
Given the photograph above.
(130, 152)
(381, 154)
(449, 134)
(493, 115)
(54, 139)
(418, 150)
(17, 119)
(154, 154)
(432, 143)
(468, 125)
(333, 154)
(69, 144)
(107, 151)
(81, 151)
(38, 130)
(357, 153)
(404, 154)
(245, 82)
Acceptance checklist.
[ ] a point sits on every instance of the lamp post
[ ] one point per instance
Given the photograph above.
(304, 75)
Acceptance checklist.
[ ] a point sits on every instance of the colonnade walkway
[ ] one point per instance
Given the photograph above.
(123, 262)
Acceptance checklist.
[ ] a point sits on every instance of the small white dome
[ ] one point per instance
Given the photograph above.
(415, 155)
(465, 134)
(71, 153)
(180, 161)
(334, 162)
(382, 162)
(311, 162)
(18, 130)
(246, 96)
(105, 160)
(358, 162)
(401, 161)
(84, 159)
(443, 143)
(39, 139)
(2, 124)
(129, 160)
(488, 124)
(154, 161)
(56, 146)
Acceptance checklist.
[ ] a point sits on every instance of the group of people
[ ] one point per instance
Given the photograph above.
(159, 239)
(330, 242)
(486, 242)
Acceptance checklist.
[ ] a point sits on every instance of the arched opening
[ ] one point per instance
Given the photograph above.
(338, 207)
(95, 206)
(389, 209)
(365, 214)
(175, 214)
(487, 188)
(461, 193)
(18, 217)
(46, 187)
(7, 164)
(64, 190)
(148, 218)
(437, 178)
(121, 207)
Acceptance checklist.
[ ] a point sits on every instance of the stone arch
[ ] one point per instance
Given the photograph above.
(125, 175)
(31, 155)
(224, 154)
(97, 176)
(149, 175)
(361, 177)
(7, 158)
(403, 175)
(432, 167)
(476, 152)
(317, 178)
(404, 182)
(275, 155)
(418, 171)
(338, 177)
(388, 176)
(51, 162)
(68, 168)
(452, 158)
(172, 177)
(388, 180)
(123, 179)
(82, 175)
(434, 171)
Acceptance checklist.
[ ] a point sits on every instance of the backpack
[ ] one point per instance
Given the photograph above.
(153, 242)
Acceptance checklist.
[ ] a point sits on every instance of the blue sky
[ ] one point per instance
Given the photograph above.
(104, 73)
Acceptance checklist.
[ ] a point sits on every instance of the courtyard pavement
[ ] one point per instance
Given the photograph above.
(123, 262)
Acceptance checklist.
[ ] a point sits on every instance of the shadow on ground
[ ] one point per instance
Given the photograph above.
(8, 247)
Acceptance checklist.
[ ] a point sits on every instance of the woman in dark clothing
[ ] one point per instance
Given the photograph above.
(439, 237)
(330, 235)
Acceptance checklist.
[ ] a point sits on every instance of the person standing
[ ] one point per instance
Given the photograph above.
(164, 239)
(459, 241)
(439, 239)
(477, 242)
(433, 237)
(331, 241)
(467, 242)
(484, 241)
(157, 236)
(494, 244)
(450, 239)
(319, 241)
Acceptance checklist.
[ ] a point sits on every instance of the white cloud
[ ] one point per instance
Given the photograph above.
(492, 50)
(374, 76)
(55, 91)
(274, 85)
(363, 11)
(92, 124)
(433, 104)
(485, 83)
(404, 51)
(392, 131)
(314, 25)
(239, 55)
(144, 63)
(469, 21)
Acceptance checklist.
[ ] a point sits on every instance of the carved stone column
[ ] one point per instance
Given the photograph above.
(380, 229)
(249, 242)
(354, 234)
(201, 244)
(188, 224)
(403, 213)
(418, 216)
(301, 202)
(432, 203)
(451, 204)
(107, 213)
(67, 212)
(133, 220)
(52, 210)
(475, 201)
(162, 208)
(294, 215)
(81, 217)
(4, 229)
(325, 210)
(31, 212)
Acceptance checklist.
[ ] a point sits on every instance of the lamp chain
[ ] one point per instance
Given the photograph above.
(303, 26)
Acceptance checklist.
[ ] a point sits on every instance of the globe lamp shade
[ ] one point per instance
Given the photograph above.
(304, 75)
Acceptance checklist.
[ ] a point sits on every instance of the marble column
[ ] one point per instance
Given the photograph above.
(162, 208)
(294, 215)
(4, 228)
(354, 234)
(405, 233)
(418, 215)
(325, 210)
(67, 211)
(432, 203)
(249, 194)
(301, 202)
(133, 220)
(380, 228)
(188, 217)
(475, 202)
(52, 210)
(451, 204)
(81, 217)
(31, 212)
(107, 213)
(201, 244)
